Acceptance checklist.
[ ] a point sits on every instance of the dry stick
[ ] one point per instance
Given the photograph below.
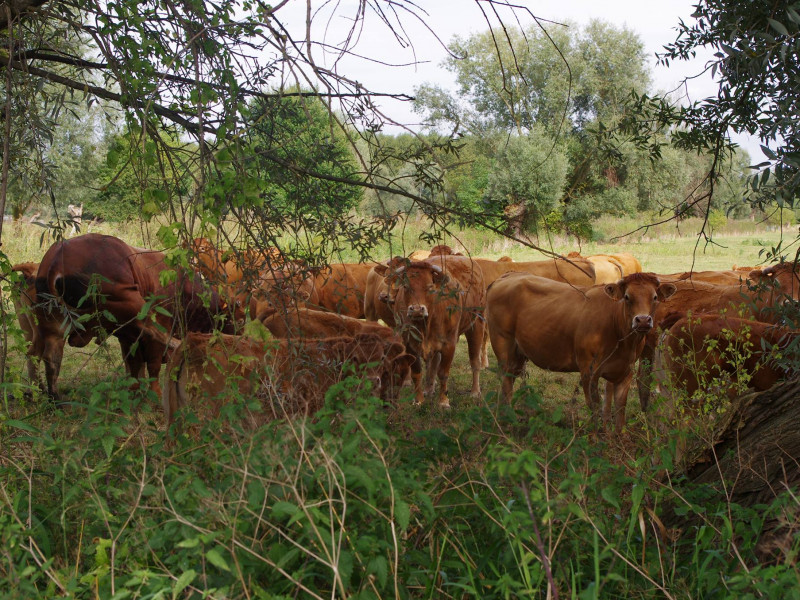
(539, 544)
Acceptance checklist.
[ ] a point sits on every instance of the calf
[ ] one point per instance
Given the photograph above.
(434, 302)
(292, 375)
(598, 332)
(307, 323)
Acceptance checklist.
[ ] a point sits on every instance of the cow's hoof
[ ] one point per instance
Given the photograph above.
(476, 394)
(444, 404)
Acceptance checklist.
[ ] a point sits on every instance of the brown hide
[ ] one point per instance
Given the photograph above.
(228, 267)
(434, 302)
(340, 288)
(290, 376)
(122, 280)
(307, 323)
(376, 293)
(607, 269)
(713, 277)
(577, 271)
(598, 332)
(698, 349)
(630, 264)
(698, 297)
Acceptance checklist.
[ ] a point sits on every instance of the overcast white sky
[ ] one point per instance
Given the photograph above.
(654, 21)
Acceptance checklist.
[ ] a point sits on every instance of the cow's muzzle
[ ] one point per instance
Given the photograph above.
(417, 311)
(642, 323)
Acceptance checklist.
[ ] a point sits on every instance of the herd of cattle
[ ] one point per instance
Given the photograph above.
(594, 315)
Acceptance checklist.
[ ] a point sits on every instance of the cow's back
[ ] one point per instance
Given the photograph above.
(577, 271)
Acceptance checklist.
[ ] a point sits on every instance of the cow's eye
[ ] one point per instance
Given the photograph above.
(627, 297)
(655, 296)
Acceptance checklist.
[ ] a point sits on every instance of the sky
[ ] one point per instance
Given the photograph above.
(393, 67)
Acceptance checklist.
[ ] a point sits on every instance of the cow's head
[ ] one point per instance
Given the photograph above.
(415, 288)
(785, 274)
(638, 295)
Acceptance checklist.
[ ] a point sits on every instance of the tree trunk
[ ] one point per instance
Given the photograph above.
(756, 452)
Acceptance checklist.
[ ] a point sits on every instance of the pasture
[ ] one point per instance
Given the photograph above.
(370, 502)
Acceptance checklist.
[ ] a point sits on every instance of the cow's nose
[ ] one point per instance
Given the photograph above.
(417, 310)
(642, 322)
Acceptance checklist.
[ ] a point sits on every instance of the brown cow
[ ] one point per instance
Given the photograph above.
(340, 288)
(120, 286)
(376, 293)
(607, 269)
(779, 284)
(434, 302)
(578, 271)
(299, 370)
(44, 330)
(696, 349)
(713, 277)
(231, 266)
(307, 323)
(598, 332)
(630, 264)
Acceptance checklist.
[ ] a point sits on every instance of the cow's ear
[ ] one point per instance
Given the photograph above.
(381, 269)
(757, 274)
(440, 278)
(665, 290)
(613, 290)
(403, 363)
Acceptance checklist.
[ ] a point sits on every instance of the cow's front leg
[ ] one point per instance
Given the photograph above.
(447, 352)
(589, 382)
(432, 361)
(621, 389)
(416, 379)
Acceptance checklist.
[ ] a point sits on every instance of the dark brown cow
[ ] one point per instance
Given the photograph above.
(696, 349)
(578, 271)
(598, 332)
(120, 286)
(779, 285)
(434, 302)
(292, 375)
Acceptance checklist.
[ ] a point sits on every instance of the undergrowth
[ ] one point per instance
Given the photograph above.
(501, 502)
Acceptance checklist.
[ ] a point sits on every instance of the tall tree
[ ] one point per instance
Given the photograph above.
(559, 77)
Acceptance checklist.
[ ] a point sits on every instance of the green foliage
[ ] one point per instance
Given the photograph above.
(527, 180)
(345, 504)
(560, 79)
(140, 178)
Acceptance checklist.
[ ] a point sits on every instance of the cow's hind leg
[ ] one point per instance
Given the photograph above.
(476, 337)
(511, 364)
